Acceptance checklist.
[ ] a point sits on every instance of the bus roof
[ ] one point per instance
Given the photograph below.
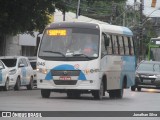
(116, 29)
(94, 25)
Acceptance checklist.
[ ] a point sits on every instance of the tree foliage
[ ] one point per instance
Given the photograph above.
(25, 16)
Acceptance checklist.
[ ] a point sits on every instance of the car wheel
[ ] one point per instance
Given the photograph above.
(18, 84)
(30, 86)
(139, 89)
(98, 94)
(45, 93)
(133, 88)
(6, 87)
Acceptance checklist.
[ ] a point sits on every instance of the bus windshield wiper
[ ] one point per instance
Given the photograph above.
(54, 52)
(81, 54)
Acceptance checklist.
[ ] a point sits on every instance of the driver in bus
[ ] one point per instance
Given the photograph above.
(90, 47)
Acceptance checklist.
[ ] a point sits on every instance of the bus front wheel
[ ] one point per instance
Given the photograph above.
(45, 93)
(98, 94)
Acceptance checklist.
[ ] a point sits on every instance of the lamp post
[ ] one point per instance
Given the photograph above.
(78, 9)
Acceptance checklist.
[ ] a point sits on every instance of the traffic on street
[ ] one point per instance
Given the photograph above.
(80, 58)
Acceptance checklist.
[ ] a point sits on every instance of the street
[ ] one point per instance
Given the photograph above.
(31, 100)
(26, 100)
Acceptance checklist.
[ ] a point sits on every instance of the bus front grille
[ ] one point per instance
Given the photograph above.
(65, 82)
(65, 72)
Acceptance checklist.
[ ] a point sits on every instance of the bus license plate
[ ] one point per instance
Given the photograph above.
(64, 78)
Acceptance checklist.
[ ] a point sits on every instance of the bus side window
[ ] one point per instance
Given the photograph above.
(115, 45)
(121, 45)
(132, 46)
(109, 47)
(103, 47)
(126, 45)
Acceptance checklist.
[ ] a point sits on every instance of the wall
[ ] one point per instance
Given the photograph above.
(12, 46)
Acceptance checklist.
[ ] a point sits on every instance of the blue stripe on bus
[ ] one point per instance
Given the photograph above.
(65, 67)
(129, 67)
(127, 31)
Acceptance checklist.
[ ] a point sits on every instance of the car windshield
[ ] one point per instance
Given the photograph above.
(70, 43)
(9, 62)
(149, 67)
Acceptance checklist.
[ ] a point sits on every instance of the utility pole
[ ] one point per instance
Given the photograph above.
(78, 6)
(141, 30)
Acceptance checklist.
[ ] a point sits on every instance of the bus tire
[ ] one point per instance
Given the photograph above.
(30, 86)
(18, 84)
(45, 93)
(98, 94)
(119, 93)
(6, 87)
(112, 94)
(73, 94)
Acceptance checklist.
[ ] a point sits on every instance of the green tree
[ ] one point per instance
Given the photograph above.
(25, 16)
(19, 16)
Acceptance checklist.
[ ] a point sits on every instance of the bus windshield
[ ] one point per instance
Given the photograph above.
(155, 54)
(154, 49)
(70, 43)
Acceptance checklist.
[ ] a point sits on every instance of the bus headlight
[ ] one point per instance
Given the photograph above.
(42, 70)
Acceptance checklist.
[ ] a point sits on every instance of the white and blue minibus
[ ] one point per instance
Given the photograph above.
(65, 64)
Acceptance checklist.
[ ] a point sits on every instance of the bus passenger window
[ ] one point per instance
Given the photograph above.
(109, 47)
(132, 47)
(121, 45)
(103, 47)
(115, 45)
(126, 45)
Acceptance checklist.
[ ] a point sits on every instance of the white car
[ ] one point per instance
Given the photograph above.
(20, 73)
(33, 64)
(4, 76)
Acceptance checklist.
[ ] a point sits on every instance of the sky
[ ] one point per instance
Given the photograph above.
(148, 10)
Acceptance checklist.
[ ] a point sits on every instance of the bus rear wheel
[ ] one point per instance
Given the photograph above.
(116, 93)
(45, 93)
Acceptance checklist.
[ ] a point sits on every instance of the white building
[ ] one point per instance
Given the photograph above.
(25, 44)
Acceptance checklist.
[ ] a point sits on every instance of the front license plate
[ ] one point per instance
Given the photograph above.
(146, 81)
(64, 78)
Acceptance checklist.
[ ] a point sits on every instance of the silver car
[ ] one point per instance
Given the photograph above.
(147, 75)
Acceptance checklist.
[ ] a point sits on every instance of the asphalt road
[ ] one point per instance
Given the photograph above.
(31, 100)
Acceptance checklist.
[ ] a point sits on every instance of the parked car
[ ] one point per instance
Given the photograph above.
(4, 77)
(33, 64)
(147, 75)
(20, 71)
